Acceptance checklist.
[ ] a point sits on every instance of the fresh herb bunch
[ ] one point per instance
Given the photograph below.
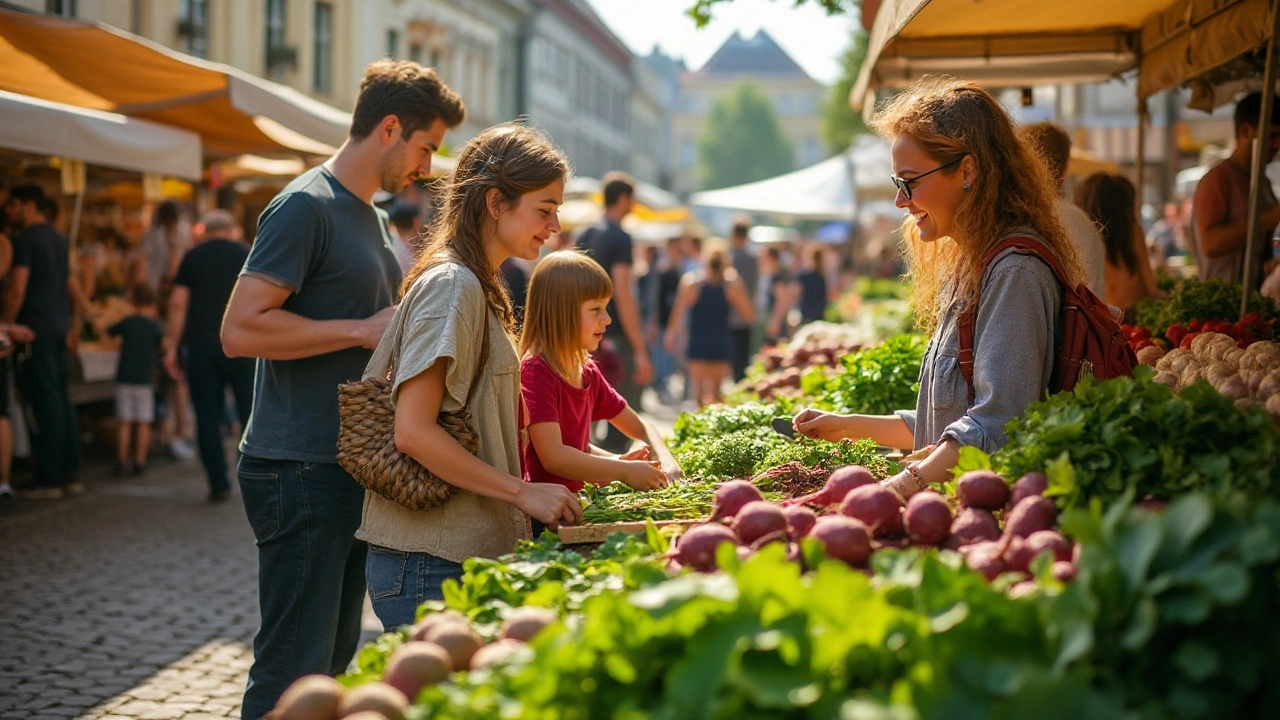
(1135, 433)
(875, 381)
(619, 503)
(1196, 300)
(692, 429)
(736, 454)
(828, 455)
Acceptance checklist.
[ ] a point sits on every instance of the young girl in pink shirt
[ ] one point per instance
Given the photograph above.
(565, 319)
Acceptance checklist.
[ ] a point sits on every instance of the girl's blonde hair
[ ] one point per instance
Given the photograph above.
(1012, 189)
(511, 158)
(561, 283)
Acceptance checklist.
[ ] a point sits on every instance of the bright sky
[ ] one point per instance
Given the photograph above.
(812, 39)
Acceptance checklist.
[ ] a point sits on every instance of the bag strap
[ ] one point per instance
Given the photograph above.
(969, 318)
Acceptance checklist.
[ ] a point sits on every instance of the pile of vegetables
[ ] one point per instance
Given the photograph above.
(1106, 437)
(1172, 614)
(1248, 376)
(1192, 304)
(875, 381)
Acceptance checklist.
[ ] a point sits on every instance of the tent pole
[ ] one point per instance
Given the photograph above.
(75, 218)
(1140, 162)
(1257, 168)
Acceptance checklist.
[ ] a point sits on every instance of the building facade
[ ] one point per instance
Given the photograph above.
(797, 100)
(577, 85)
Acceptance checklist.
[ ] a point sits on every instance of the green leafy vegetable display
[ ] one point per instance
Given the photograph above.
(875, 381)
(1196, 300)
(619, 503)
(716, 420)
(1135, 433)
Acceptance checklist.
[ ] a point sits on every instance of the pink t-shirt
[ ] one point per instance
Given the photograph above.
(551, 399)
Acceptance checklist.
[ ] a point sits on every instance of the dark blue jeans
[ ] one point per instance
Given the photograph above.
(401, 581)
(45, 380)
(209, 372)
(310, 573)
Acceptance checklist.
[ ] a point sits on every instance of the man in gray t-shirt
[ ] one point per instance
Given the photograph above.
(315, 296)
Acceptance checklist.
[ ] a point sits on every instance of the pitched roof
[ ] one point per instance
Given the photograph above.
(759, 55)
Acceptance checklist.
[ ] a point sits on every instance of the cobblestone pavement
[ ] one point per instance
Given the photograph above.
(137, 600)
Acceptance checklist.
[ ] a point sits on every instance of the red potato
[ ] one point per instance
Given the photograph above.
(415, 665)
(496, 653)
(985, 558)
(375, 696)
(757, 519)
(425, 624)
(312, 697)
(1033, 483)
(1050, 541)
(458, 639)
(972, 526)
(928, 518)
(1032, 514)
(696, 548)
(842, 481)
(982, 489)
(1017, 554)
(523, 623)
(843, 538)
(731, 496)
(800, 521)
(1023, 589)
(877, 507)
(1064, 571)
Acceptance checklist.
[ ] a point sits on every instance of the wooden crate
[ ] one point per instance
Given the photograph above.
(583, 534)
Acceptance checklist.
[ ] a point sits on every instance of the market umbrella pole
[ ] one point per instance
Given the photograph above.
(1258, 167)
(75, 217)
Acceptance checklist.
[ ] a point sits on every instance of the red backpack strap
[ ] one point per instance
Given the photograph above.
(969, 318)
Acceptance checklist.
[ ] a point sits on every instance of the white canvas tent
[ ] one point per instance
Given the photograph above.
(101, 138)
(834, 189)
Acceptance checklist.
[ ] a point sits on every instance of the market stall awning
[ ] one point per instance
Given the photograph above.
(96, 66)
(825, 191)
(97, 138)
(1014, 42)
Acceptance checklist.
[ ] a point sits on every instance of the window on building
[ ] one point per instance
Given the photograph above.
(393, 44)
(193, 27)
(65, 8)
(278, 55)
(322, 79)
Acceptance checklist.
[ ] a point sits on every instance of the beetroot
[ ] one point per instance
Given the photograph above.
(757, 519)
(697, 547)
(843, 538)
(1033, 483)
(1023, 589)
(1017, 554)
(800, 521)
(1032, 514)
(985, 558)
(731, 496)
(973, 525)
(928, 518)
(1051, 541)
(876, 506)
(843, 481)
(982, 489)
(1064, 571)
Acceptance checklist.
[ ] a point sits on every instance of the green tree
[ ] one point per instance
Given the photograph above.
(839, 122)
(742, 140)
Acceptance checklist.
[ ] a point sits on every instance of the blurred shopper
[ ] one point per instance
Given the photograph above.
(813, 288)
(708, 297)
(1054, 145)
(668, 286)
(780, 293)
(142, 339)
(406, 225)
(748, 269)
(1169, 234)
(1111, 203)
(200, 294)
(10, 337)
(315, 297)
(517, 280)
(1220, 218)
(610, 246)
(45, 297)
(162, 247)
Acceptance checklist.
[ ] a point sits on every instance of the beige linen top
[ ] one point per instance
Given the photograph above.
(441, 317)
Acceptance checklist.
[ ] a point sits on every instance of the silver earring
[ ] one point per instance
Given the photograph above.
(966, 187)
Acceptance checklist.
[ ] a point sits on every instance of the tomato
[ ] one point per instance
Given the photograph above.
(1175, 333)
(1197, 325)
(1186, 340)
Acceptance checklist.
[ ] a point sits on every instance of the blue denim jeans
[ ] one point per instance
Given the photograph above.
(401, 581)
(310, 573)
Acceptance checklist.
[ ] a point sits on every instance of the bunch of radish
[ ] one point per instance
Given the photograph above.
(859, 516)
(439, 645)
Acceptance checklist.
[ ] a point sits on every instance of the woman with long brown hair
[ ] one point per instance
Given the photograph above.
(1111, 201)
(969, 181)
(501, 202)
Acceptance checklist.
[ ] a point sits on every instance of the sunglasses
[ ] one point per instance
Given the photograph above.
(904, 184)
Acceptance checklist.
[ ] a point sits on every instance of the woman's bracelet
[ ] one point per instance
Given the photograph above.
(908, 484)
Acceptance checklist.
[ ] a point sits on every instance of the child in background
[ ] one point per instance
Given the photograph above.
(565, 392)
(142, 344)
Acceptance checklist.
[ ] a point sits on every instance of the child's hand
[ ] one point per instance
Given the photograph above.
(640, 475)
(673, 473)
(640, 453)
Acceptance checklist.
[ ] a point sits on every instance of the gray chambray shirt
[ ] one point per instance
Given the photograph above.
(1015, 338)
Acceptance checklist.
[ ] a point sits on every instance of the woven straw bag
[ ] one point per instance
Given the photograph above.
(367, 440)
